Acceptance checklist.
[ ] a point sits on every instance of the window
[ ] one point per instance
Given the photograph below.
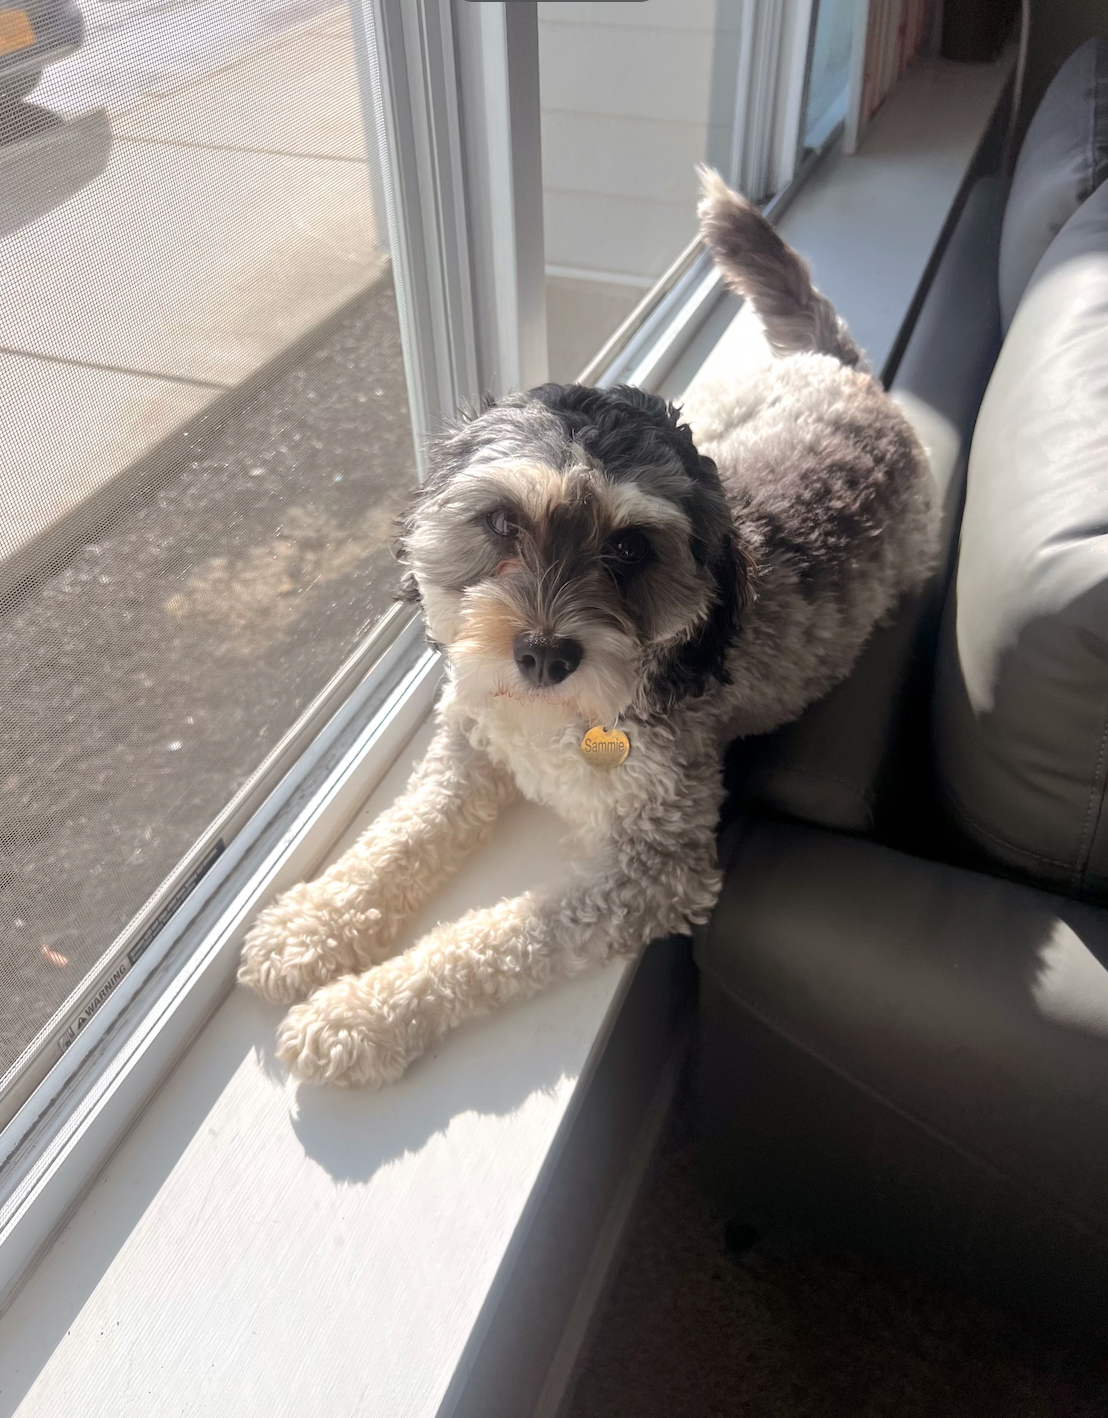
(251, 255)
(829, 69)
(205, 438)
(633, 97)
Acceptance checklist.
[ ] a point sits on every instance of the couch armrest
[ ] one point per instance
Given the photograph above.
(831, 767)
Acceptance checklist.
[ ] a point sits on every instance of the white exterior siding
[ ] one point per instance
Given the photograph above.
(633, 96)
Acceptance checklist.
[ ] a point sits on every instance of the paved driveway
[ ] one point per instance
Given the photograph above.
(136, 49)
(198, 253)
(156, 255)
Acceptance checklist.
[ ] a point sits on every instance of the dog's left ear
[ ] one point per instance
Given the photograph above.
(690, 667)
(704, 657)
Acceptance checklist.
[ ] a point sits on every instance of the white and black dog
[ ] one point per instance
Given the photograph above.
(616, 596)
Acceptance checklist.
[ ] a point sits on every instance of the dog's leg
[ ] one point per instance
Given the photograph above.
(349, 917)
(367, 1028)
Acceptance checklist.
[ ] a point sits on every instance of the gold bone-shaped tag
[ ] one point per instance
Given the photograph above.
(604, 749)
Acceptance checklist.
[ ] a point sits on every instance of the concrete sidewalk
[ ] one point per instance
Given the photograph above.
(231, 218)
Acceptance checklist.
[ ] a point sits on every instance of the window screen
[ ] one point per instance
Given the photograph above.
(204, 437)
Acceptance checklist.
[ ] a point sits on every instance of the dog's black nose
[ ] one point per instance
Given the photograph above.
(546, 659)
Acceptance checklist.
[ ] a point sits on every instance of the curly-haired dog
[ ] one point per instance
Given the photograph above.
(584, 566)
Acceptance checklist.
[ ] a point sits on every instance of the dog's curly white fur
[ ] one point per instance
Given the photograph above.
(582, 561)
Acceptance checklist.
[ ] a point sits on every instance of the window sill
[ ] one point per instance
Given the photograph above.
(253, 1245)
(870, 223)
(256, 1248)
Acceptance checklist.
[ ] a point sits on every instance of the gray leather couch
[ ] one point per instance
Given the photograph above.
(904, 988)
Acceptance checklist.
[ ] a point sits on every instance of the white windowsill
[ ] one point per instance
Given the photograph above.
(867, 224)
(257, 1249)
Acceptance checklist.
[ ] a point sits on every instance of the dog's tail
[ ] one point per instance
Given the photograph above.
(757, 264)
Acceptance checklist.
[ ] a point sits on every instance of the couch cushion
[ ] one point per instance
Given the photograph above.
(907, 1058)
(1021, 705)
(1063, 160)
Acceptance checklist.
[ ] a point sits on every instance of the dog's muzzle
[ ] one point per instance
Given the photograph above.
(545, 659)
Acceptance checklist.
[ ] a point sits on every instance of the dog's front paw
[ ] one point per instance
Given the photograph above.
(309, 936)
(342, 1034)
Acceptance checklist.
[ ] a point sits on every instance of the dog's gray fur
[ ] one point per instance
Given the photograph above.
(757, 264)
(716, 585)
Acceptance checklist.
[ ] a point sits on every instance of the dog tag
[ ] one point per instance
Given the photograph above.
(604, 749)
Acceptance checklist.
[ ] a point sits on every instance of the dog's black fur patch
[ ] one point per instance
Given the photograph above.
(688, 669)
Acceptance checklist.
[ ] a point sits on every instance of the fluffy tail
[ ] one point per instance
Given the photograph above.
(757, 264)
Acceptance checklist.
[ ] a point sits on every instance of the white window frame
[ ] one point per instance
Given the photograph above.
(450, 90)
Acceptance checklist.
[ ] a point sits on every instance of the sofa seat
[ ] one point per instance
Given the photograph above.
(909, 1058)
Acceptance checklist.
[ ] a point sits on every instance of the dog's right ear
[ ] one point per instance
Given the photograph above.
(445, 453)
(408, 590)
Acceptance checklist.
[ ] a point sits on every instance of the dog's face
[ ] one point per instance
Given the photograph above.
(571, 548)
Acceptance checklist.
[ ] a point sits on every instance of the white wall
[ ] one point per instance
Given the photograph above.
(633, 96)
(627, 110)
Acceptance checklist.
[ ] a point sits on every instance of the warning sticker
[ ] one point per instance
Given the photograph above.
(106, 987)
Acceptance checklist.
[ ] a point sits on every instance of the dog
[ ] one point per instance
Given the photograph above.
(615, 599)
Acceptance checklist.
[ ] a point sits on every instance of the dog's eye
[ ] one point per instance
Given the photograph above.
(502, 524)
(629, 550)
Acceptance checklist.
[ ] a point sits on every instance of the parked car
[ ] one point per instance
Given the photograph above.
(33, 35)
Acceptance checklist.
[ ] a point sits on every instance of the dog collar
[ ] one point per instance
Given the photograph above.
(604, 748)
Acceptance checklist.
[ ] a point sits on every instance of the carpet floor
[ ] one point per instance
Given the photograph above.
(783, 1332)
